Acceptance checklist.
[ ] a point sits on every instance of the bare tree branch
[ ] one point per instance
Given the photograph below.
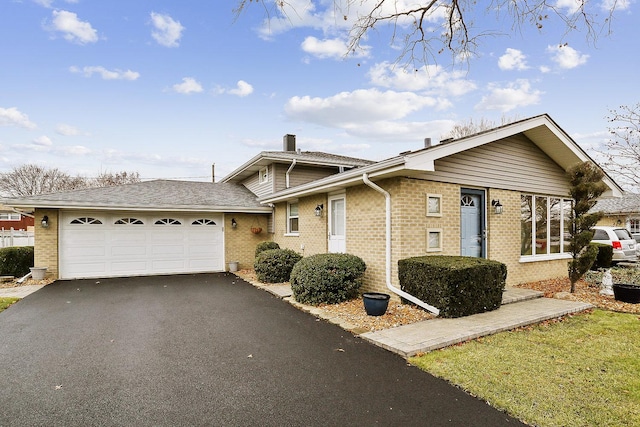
(436, 26)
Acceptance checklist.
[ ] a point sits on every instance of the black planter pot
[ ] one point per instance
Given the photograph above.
(375, 303)
(626, 292)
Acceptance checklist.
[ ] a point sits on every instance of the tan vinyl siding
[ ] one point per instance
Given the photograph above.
(257, 188)
(510, 164)
(299, 175)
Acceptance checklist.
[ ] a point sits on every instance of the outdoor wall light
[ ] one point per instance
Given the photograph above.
(45, 222)
(234, 223)
(319, 209)
(497, 206)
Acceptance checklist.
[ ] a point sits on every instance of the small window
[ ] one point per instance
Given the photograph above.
(434, 239)
(167, 221)
(85, 220)
(292, 218)
(128, 221)
(600, 235)
(634, 225)
(263, 175)
(434, 205)
(203, 221)
(9, 216)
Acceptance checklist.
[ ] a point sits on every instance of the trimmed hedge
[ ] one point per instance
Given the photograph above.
(275, 265)
(265, 246)
(456, 285)
(16, 260)
(604, 259)
(327, 278)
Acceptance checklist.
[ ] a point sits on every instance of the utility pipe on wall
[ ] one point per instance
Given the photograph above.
(403, 294)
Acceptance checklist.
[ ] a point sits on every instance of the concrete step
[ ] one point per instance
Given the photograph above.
(421, 337)
(511, 295)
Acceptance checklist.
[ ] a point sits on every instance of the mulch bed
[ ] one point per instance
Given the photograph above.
(584, 292)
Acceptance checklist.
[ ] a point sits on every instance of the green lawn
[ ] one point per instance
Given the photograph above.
(6, 302)
(584, 371)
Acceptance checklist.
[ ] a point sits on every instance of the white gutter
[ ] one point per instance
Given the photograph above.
(403, 294)
(293, 164)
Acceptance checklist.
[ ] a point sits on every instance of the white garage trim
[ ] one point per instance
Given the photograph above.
(128, 243)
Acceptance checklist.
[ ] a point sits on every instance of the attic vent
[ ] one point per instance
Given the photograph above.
(427, 142)
(289, 143)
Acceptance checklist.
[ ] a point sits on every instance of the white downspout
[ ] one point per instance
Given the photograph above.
(293, 164)
(403, 294)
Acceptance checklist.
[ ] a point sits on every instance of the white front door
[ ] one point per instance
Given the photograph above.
(337, 224)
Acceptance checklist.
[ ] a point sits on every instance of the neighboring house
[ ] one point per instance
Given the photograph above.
(621, 212)
(10, 219)
(500, 194)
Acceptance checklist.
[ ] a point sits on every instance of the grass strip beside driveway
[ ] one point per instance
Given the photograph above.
(6, 302)
(578, 372)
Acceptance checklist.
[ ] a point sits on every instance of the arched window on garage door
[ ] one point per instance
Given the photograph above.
(129, 221)
(203, 221)
(167, 221)
(85, 220)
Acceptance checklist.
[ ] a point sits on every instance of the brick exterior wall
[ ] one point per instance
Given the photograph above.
(365, 229)
(240, 242)
(46, 242)
(312, 236)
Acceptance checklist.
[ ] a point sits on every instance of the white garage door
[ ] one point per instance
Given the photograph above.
(98, 244)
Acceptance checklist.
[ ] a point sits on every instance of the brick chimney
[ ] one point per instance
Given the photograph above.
(289, 143)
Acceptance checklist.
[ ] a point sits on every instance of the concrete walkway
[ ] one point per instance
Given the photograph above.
(520, 307)
(19, 291)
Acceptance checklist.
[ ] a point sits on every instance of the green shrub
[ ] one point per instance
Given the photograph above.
(265, 246)
(16, 260)
(604, 257)
(327, 278)
(456, 285)
(275, 265)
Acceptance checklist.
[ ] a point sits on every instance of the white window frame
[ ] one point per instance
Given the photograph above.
(291, 232)
(548, 256)
(437, 248)
(434, 197)
(634, 225)
(263, 175)
(10, 216)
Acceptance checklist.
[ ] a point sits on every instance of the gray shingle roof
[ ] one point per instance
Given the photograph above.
(317, 157)
(157, 195)
(630, 203)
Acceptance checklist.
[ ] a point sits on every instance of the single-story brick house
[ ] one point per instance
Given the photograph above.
(500, 194)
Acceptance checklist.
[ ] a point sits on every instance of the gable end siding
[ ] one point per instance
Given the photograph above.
(510, 164)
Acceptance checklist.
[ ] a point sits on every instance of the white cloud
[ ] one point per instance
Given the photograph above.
(167, 30)
(44, 3)
(516, 94)
(513, 59)
(360, 106)
(242, 89)
(74, 150)
(566, 56)
(188, 86)
(13, 117)
(606, 5)
(115, 74)
(330, 48)
(43, 141)
(67, 130)
(73, 29)
(431, 79)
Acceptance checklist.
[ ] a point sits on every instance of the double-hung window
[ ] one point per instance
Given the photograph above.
(292, 218)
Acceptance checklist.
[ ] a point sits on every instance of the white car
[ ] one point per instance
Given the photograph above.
(624, 246)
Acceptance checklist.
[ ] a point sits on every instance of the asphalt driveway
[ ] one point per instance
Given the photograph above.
(205, 349)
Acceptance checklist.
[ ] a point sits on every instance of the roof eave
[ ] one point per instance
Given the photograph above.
(26, 205)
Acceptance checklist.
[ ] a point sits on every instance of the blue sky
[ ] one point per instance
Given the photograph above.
(167, 88)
